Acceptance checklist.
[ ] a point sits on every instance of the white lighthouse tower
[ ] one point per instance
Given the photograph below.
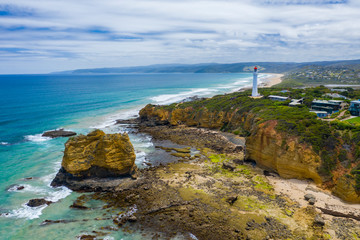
(255, 90)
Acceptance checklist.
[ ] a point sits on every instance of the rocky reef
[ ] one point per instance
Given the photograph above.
(90, 161)
(58, 133)
(216, 196)
(210, 193)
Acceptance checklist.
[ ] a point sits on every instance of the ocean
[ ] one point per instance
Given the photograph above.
(33, 104)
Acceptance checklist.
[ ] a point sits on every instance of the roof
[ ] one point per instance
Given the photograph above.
(280, 97)
(335, 95)
(335, 101)
(355, 101)
(319, 112)
(322, 107)
(331, 102)
(338, 90)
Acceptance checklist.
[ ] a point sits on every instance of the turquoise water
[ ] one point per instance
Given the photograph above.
(32, 104)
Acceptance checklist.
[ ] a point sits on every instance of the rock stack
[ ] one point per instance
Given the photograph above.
(91, 161)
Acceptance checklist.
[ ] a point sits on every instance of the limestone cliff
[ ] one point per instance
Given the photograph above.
(286, 156)
(344, 189)
(270, 148)
(97, 155)
(187, 116)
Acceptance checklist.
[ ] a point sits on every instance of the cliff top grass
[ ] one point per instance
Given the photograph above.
(355, 121)
(336, 142)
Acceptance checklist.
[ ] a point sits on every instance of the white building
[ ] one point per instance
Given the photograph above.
(255, 90)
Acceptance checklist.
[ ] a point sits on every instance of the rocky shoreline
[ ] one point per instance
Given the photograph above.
(211, 194)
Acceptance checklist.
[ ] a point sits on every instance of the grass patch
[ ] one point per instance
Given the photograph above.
(217, 158)
(249, 203)
(244, 170)
(355, 121)
(262, 185)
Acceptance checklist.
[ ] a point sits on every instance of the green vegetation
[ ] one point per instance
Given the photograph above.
(288, 83)
(354, 120)
(216, 158)
(326, 138)
(262, 185)
(356, 173)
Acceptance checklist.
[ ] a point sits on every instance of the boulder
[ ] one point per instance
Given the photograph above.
(319, 220)
(309, 196)
(58, 133)
(38, 202)
(232, 199)
(132, 218)
(96, 156)
(229, 166)
(312, 201)
(87, 237)
(238, 161)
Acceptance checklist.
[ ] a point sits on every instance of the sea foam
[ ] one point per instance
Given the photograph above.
(28, 188)
(58, 193)
(171, 98)
(37, 138)
(26, 212)
(110, 120)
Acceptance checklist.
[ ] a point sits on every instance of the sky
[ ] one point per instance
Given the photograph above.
(41, 36)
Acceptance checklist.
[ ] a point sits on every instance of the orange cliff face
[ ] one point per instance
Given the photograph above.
(292, 159)
(186, 116)
(270, 148)
(285, 155)
(112, 153)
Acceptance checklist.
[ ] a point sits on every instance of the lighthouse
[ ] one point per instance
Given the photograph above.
(254, 90)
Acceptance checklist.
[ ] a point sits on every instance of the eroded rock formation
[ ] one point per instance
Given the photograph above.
(95, 156)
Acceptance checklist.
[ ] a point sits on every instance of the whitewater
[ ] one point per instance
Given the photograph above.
(33, 104)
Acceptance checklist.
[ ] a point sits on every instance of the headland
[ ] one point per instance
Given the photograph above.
(245, 169)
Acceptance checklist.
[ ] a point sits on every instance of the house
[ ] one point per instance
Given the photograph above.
(285, 91)
(295, 102)
(320, 114)
(335, 95)
(355, 108)
(330, 106)
(338, 90)
(277, 98)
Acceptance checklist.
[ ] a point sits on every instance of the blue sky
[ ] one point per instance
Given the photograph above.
(41, 36)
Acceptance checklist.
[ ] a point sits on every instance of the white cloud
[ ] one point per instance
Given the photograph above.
(77, 34)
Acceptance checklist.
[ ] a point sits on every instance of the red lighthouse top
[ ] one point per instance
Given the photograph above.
(255, 69)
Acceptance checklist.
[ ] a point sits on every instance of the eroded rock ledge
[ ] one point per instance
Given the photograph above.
(90, 161)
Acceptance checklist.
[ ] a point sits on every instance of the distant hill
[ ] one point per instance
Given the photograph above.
(278, 67)
(341, 71)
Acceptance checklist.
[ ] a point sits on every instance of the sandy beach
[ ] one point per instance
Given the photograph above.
(273, 80)
(296, 189)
